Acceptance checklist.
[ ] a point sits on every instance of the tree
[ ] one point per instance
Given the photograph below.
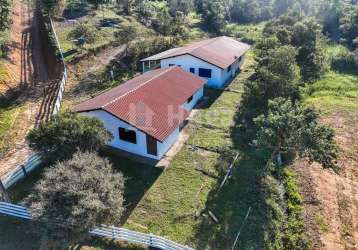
(53, 7)
(214, 14)
(5, 9)
(276, 75)
(349, 26)
(75, 196)
(65, 133)
(305, 35)
(290, 129)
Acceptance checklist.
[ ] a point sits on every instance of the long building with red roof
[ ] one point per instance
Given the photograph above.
(145, 114)
(216, 60)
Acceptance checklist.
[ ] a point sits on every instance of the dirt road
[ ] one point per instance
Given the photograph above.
(331, 199)
(26, 65)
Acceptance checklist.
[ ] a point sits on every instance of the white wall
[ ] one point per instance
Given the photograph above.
(219, 76)
(196, 97)
(187, 62)
(112, 124)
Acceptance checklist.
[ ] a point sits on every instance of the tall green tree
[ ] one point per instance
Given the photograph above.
(65, 133)
(276, 75)
(349, 26)
(73, 197)
(305, 35)
(214, 14)
(291, 129)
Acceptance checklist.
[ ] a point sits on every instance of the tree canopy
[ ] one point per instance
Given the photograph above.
(291, 129)
(276, 75)
(60, 137)
(75, 196)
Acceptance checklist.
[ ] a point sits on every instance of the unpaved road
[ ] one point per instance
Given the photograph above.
(28, 71)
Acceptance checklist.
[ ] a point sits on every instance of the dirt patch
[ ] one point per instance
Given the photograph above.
(30, 79)
(331, 199)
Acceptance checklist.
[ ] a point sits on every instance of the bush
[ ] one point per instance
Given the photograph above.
(85, 31)
(295, 237)
(75, 196)
(144, 48)
(59, 138)
(345, 62)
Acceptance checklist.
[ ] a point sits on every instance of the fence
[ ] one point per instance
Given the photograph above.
(22, 171)
(35, 160)
(61, 89)
(106, 231)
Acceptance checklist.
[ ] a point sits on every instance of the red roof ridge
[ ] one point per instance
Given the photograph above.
(136, 88)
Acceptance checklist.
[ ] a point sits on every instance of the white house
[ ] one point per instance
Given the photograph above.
(216, 60)
(146, 113)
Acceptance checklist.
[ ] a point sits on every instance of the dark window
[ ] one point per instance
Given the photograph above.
(229, 69)
(205, 73)
(151, 145)
(127, 135)
(179, 65)
(171, 65)
(192, 70)
(189, 99)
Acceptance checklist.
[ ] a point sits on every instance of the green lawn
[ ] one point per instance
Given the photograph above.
(249, 33)
(334, 92)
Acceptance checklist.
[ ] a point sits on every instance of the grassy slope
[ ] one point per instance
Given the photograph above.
(334, 92)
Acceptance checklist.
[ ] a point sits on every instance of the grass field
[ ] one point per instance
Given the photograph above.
(105, 36)
(334, 92)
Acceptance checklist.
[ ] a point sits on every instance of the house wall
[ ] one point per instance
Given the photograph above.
(219, 76)
(196, 97)
(112, 124)
(187, 62)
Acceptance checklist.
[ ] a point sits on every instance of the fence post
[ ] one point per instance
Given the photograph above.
(24, 170)
(3, 194)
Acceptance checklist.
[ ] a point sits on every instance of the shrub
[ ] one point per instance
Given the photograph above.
(73, 197)
(59, 138)
(345, 62)
(85, 31)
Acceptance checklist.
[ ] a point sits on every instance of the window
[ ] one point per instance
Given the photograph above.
(205, 72)
(128, 135)
(189, 99)
(171, 65)
(229, 69)
(179, 65)
(192, 70)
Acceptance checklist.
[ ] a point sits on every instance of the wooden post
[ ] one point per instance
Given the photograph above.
(3, 194)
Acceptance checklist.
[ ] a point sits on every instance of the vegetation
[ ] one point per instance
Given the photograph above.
(291, 129)
(60, 138)
(73, 197)
(83, 31)
(5, 10)
(295, 237)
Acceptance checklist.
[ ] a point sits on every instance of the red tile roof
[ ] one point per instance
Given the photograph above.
(150, 102)
(220, 51)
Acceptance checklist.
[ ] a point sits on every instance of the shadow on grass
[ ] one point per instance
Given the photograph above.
(17, 234)
(139, 178)
(230, 206)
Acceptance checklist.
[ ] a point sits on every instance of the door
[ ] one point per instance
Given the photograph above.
(151, 145)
